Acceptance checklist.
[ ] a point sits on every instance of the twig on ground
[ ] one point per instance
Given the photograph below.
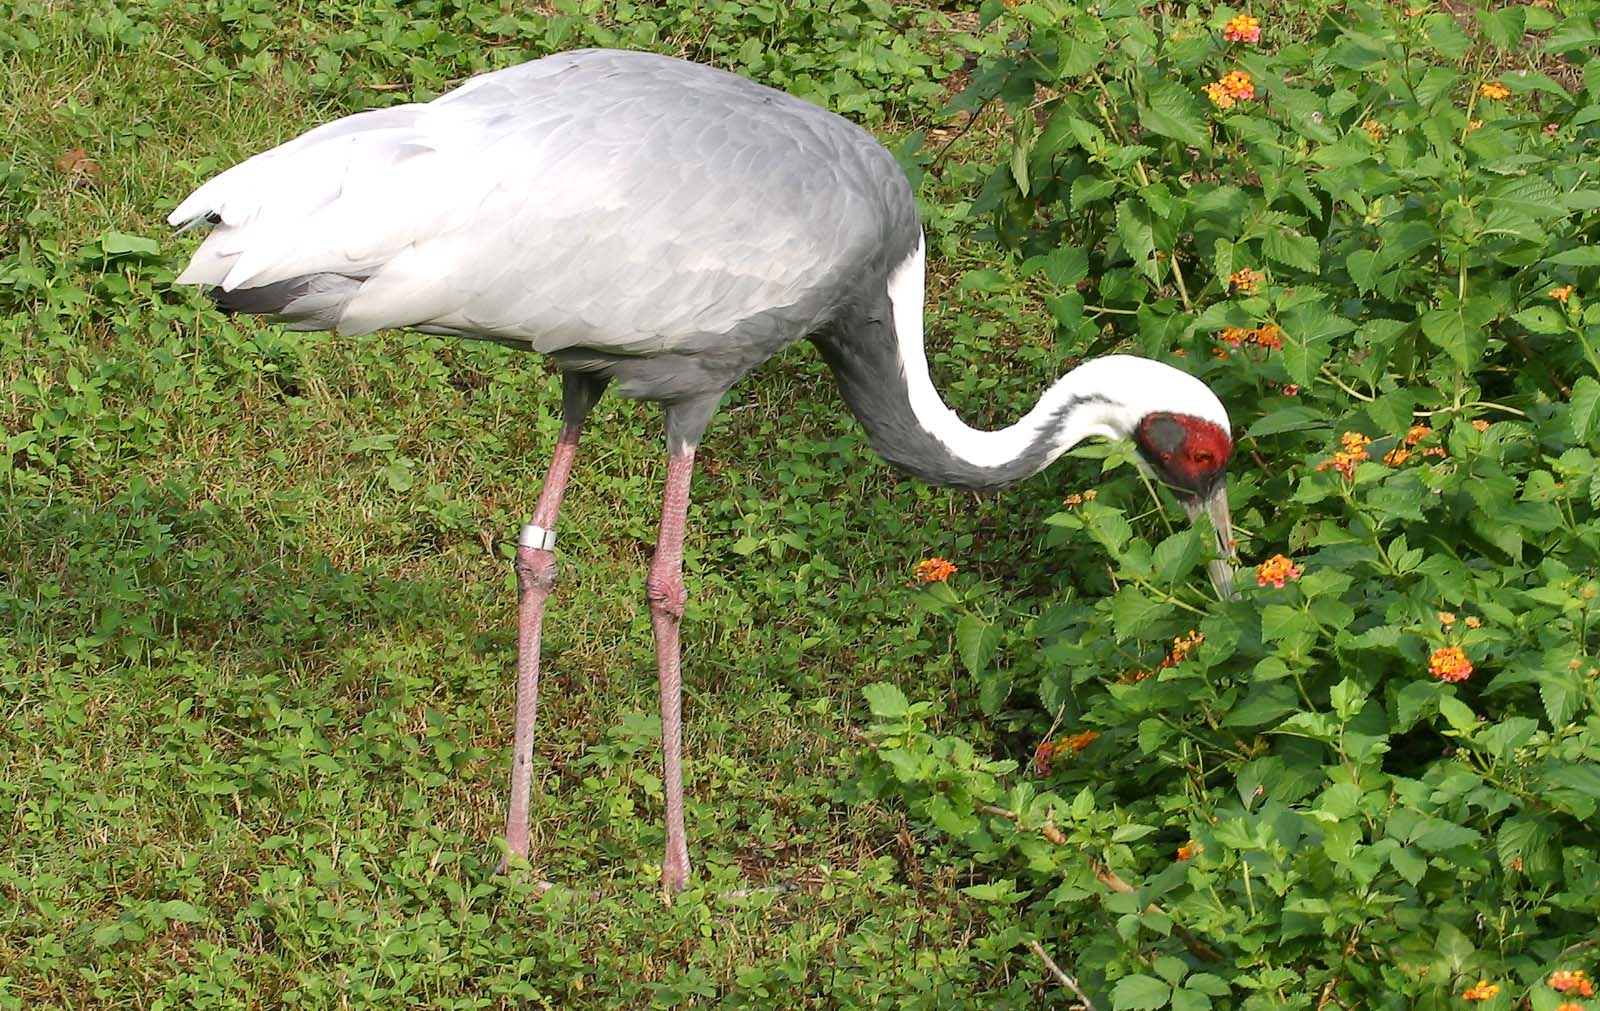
(1062, 977)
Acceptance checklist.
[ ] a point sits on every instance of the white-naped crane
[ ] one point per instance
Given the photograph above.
(661, 227)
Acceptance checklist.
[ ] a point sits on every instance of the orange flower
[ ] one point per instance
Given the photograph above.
(1446, 619)
(1417, 434)
(1355, 442)
(1244, 281)
(1234, 335)
(1473, 621)
(1396, 456)
(1480, 424)
(1189, 850)
(1483, 991)
(1569, 1006)
(1243, 28)
(935, 570)
(1493, 90)
(1275, 570)
(1572, 979)
(1562, 293)
(1375, 129)
(1448, 663)
(1435, 451)
(1474, 124)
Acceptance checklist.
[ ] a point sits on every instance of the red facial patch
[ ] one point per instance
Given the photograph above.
(1189, 451)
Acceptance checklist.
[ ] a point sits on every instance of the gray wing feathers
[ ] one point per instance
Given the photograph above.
(617, 201)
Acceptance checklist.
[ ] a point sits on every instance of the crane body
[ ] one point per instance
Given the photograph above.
(658, 228)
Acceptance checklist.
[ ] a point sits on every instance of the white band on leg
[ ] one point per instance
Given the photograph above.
(535, 536)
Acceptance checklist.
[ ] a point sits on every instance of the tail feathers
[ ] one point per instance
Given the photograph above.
(302, 303)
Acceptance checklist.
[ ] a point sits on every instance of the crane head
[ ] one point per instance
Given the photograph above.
(1190, 455)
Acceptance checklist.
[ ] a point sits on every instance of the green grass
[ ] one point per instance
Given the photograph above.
(256, 607)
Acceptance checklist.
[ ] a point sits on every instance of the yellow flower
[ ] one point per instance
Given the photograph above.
(1493, 90)
(1417, 433)
(1473, 621)
(1188, 850)
(1562, 293)
(1396, 456)
(1480, 425)
(1446, 619)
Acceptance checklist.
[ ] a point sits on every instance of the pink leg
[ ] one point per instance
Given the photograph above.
(536, 574)
(665, 591)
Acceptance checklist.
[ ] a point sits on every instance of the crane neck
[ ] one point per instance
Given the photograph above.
(882, 368)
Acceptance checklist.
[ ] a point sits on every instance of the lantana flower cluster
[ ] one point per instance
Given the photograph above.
(1189, 850)
(1268, 337)
(1344, 461)
(1407, 446)
(1450, 664)
(1484, 990)
(1242, 28)
(1571, 981)
(1493, 90)
(1067, 745)
(934, 570)
(1275, 570)
(1233, 87)
(1182, 646)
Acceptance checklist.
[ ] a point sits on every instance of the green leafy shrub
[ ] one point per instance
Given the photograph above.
(1372, 779)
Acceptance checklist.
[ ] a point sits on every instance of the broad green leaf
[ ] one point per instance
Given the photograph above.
(1133, 613)
(1138, 237)
(1288, 419)
(1408, 864)
(1458, 714)
(1140, 993)
(1541, 319)
(1289, 247)
(1177, 555)
(1065, 266)
(1583, 411)
(1577, 256)
(1174, 111)
(1503, 27)
(886, 701)
(1446, 37)
(115, 243)
(976, 640)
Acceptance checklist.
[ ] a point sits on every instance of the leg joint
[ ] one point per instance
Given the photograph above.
(666, 593)
(536, 569)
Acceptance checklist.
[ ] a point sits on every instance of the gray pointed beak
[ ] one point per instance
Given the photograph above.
(1215, 506)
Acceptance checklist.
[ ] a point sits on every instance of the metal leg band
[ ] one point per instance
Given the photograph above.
(535, 536)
